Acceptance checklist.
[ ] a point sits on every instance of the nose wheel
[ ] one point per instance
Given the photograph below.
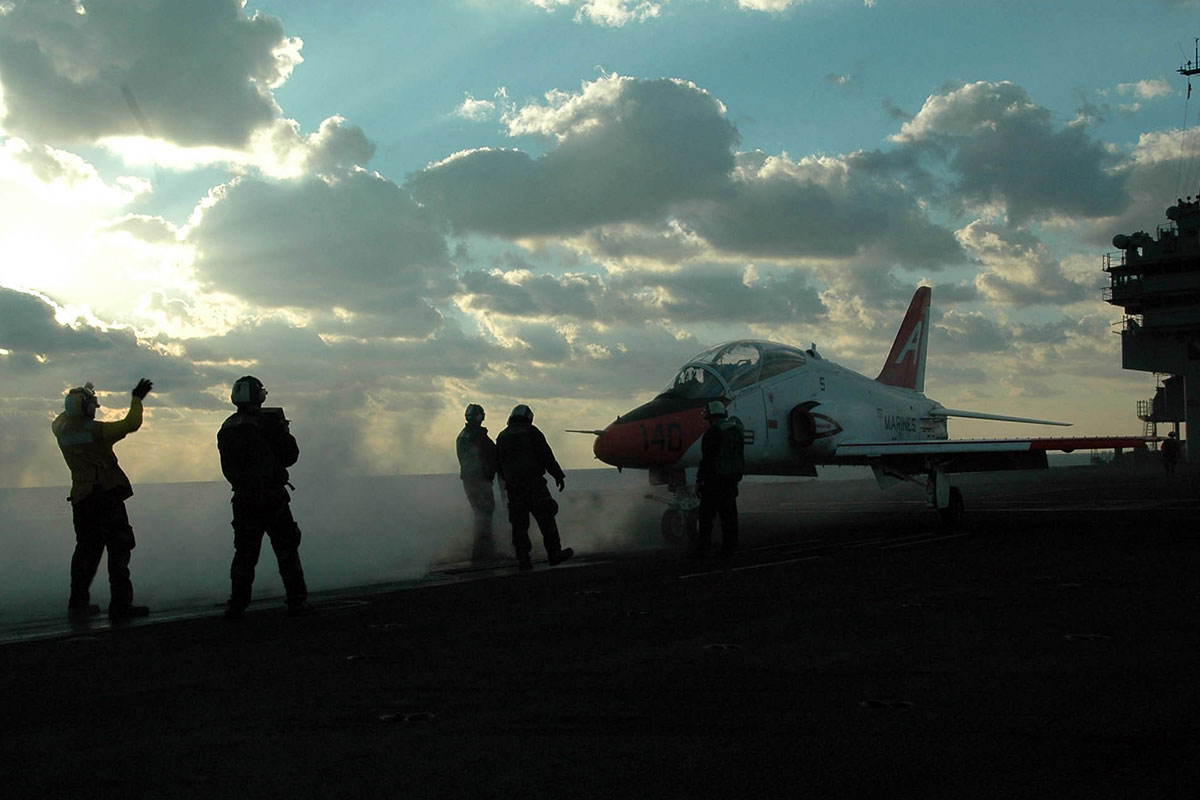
(679, 525)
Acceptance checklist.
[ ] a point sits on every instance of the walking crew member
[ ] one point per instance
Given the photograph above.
(525, 458)
(477, 468)
(717, 480)
(99, 489)
(256, 449)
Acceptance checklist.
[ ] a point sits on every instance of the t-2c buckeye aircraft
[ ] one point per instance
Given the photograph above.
(801, 411)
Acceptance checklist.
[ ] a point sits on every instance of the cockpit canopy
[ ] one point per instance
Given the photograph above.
(727, 368)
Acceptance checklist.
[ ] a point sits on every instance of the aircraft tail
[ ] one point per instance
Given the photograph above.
(905, 364)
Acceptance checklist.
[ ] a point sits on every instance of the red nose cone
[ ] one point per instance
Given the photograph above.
(651, 442)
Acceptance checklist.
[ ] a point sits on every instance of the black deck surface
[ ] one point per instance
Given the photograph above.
(1047, 647)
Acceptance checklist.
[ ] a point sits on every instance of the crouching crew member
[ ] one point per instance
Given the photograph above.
(477, 468)
(99, 489)
(717, 479)
(524, 459)
(256, 449)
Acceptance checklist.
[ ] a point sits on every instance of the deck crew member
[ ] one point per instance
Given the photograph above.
(524, 459)
(721, 466)
(477, 469)
(256, 450)
(99, 489)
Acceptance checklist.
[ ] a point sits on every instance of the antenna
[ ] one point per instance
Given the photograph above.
(1192, 67)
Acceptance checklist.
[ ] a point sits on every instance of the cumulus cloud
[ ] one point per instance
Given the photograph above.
(1145, 89)
(1018, 269)
(355, 241)
(1162, 166)
(278, 150)
(475, 110)
(29, 325)
(44, 349)
(522, 294)
(64, 177)
(615, 13)
(700, 294)
(145, 228)
(635, 167)
(610, 13)
(819, 207)
(768, 5)
(1000, 147)
(968, 333)
(192, 73)
(622, 149)
(336, 145)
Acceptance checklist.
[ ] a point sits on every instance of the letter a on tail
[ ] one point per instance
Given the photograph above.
(905, 365)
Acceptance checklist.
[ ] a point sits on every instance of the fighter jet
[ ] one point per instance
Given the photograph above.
(801, 411)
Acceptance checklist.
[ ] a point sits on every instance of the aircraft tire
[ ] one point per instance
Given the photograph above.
(952, 514)
(678, 525)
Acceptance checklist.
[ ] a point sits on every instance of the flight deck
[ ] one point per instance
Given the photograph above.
(1043, 647)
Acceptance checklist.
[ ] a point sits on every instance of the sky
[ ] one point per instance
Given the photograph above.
(388, 210)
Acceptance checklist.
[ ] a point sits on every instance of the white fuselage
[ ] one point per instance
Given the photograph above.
(845, 405)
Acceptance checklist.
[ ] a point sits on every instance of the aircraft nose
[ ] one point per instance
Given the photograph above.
(641, 441)
(607, 446)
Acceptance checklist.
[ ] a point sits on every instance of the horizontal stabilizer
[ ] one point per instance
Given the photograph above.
(953, 412)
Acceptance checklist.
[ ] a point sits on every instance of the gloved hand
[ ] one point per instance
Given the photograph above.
(561, 483)
(143, 388)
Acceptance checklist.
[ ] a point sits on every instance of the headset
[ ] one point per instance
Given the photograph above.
(248, 390)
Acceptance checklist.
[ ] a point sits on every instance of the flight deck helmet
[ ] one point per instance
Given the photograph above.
(248, 391)
(521, 412)
(715, 408)
(474, 413)
(81, 401)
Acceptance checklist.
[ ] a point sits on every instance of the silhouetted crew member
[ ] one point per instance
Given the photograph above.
(1171, 453)
(525, 458)
(256, 449)
(477, 468)
(99, 489)
(717, 480)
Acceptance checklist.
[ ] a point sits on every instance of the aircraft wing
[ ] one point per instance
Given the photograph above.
(974, 455)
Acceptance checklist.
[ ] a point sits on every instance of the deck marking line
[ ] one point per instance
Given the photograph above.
(774, 563)
(924, 541)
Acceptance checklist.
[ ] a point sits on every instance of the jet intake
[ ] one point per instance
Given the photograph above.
(802, 426)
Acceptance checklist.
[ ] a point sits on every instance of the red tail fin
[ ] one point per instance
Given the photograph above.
(905, 365)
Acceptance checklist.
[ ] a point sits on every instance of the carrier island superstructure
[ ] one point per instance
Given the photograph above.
(1156, 280)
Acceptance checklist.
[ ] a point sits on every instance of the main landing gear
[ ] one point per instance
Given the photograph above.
(947, 499)
(679, 524)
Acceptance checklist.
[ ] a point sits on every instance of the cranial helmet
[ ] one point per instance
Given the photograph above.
(474, 413)
(521, 411)
(81, 401)
(248, 390)
(715, 409)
